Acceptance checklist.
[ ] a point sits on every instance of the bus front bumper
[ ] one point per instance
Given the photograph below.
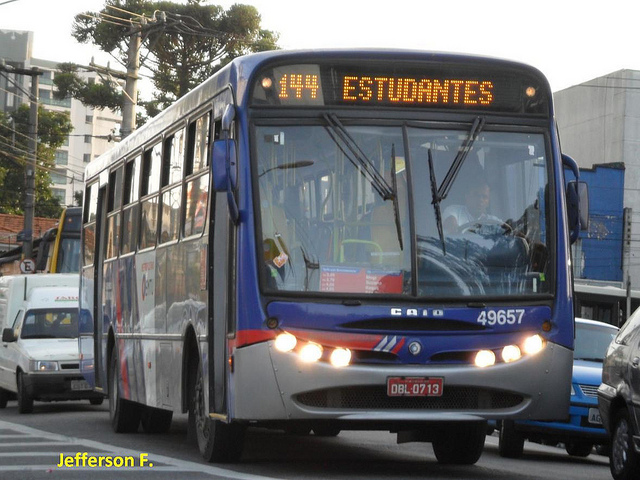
(268, 385)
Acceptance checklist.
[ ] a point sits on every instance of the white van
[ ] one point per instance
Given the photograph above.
(39, 357)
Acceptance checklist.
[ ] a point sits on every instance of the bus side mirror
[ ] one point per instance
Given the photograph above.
(577, 195)
(224, 163)
(8, 336)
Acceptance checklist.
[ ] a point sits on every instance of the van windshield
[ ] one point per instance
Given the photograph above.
(47, 323)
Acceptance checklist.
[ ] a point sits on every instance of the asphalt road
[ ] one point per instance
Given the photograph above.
(31, 447)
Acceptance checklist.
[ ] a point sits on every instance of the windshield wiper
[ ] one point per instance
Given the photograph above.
(394, 184)
(356, 156)
(440, 193)
(359, 159)
(435, 201)
(455, 167)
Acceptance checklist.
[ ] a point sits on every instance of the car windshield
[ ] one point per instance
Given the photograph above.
(336, 199)
(44, 323)
(592, 341)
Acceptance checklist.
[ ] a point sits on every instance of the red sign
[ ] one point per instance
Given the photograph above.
(359, 280)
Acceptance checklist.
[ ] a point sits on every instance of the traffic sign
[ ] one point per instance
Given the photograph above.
(27, 266)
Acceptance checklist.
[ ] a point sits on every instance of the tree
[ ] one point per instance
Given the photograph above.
(182, 45)
(53, 128)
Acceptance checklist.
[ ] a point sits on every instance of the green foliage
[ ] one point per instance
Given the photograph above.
(182, 45)
(97, 95)
(53, 128)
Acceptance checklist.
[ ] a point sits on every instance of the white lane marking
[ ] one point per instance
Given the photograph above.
(171, 464)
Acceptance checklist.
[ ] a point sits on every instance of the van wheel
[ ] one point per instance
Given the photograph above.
(510, 442)
(25, 400)
(156, 420)
(623, 459)
(124, 415)
(96, 401)
(4, 398)
(217, 441)
(460, 444)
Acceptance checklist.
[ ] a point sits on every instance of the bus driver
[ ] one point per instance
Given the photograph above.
(476, 205)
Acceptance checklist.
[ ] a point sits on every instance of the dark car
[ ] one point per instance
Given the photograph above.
(583, 428)
(619, 400)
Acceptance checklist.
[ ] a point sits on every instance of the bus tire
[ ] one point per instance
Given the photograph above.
(217, 441)
(25, 400)
(124, 415)
(4, 398)
(156, 420)
(510, 442)
(460, 444)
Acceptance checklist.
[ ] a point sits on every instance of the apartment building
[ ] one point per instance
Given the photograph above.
(93, 129)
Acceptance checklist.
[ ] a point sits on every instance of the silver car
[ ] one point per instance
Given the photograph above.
(619, 400)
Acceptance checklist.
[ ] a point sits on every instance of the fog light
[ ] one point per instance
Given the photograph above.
(532, 345)
(511, 353)
(485, 358)
(340, 357)
(311, 352)
(285, 342)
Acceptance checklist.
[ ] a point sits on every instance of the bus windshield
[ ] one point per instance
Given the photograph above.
(418, 209)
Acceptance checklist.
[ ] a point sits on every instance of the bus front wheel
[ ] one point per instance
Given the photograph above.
(460, 444)
(217, 441)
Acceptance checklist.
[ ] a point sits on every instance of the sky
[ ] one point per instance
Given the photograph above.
(569, 41)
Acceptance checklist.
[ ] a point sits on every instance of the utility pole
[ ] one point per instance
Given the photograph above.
(30, 168)
(131, 84)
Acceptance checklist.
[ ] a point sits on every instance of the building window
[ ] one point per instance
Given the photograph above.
(60, 194)
(62, 157)
(87, 139)
(88, 119)
(58, 178)
(86, 158)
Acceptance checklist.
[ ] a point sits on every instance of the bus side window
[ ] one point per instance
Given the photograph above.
(152, 161)
(113, 213)
(196, 205)
(130, 214)
(89, 217)
(172, 167)
(198, 144)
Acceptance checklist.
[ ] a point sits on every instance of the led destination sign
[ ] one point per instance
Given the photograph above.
(403, 90)
(430, 87)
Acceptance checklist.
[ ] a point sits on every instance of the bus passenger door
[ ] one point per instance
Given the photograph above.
(98, 307)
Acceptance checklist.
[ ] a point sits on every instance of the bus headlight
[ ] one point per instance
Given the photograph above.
(285, 342)
(340, 357)
(485, 358)
(533, 344)
(43, 366)
(311, 352)
(511, 353)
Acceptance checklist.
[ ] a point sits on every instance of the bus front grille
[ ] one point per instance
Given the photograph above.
(376, 398)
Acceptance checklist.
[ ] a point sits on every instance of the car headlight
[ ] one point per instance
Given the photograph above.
(43, 366)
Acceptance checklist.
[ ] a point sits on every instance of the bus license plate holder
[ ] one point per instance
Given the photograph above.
(415, 386)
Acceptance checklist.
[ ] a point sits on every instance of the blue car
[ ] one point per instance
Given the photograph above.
(583, 428)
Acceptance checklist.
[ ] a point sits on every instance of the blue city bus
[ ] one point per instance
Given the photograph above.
(330, 240)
